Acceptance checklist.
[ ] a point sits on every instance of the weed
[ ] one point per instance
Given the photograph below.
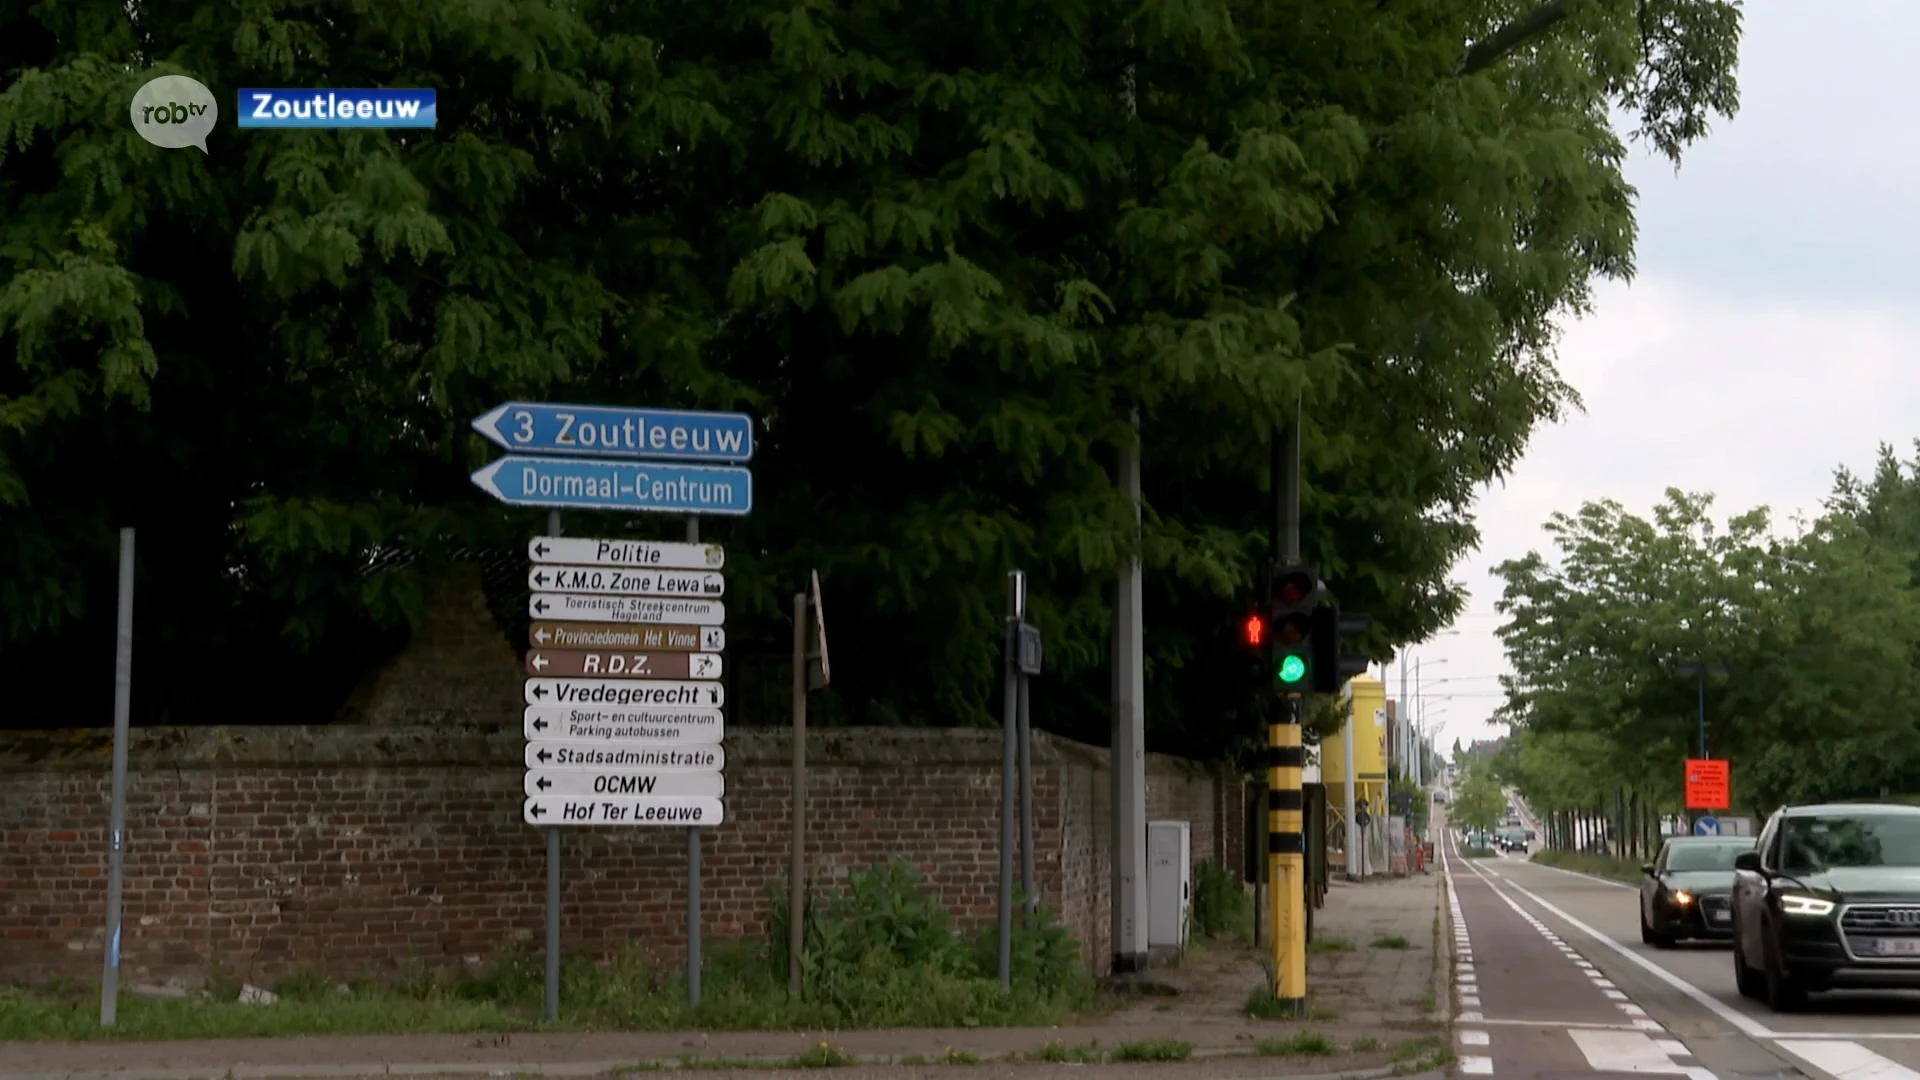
(1366, 1044)
(1394, 941)
(1329, 944)
(958, 1057)
(1323, 1013)
(1061, 1054)
(1220, 905)
(1298, 1044)
(1153, 1050)
(1412, 1049)
(821, 1056)
(1263, 1005)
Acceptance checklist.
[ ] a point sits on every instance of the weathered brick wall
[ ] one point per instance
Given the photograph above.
(257, 852)
(395, 837)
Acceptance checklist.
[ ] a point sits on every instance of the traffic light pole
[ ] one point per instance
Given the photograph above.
(1286, 755)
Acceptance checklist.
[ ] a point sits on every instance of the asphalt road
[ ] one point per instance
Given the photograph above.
(1681, 1000)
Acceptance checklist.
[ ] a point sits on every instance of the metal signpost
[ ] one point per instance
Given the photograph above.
(1023, 656)
(624, 716)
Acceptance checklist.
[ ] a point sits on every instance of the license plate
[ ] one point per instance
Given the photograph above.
(1723, 916)
(1893, 946)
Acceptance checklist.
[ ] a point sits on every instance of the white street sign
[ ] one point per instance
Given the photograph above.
(640, 553)
(550, 723)
(710, 757)
(665, 810)
(625, 692)
(601, 664)
(679, 782)
(575, 607)
(619, 581)
(712, 638)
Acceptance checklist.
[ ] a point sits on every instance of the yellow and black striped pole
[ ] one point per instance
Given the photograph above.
(1286, 856)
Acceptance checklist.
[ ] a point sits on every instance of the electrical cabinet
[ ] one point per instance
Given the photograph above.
(1169, 882)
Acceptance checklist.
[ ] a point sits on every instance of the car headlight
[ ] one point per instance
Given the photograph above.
(1682, 897)
(1791, 904)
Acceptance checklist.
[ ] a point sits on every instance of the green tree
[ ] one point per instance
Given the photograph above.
(943, 251)
(1478, 801)
(1816, 633)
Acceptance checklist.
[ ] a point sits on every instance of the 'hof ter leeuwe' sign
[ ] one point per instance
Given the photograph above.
(624, 720)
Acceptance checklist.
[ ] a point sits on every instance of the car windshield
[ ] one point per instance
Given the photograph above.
(1705, 856)
(1829, 841)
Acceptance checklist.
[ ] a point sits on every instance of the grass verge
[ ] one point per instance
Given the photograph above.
(1611, 867)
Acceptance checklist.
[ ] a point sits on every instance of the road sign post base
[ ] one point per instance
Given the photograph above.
(1290, 1008)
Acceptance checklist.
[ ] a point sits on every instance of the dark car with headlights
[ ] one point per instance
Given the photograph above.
(1829, 899)
(1686, 888)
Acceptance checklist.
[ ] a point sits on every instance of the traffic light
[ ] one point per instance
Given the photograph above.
(1253, 631)
(1296, 589)
(1331, 664)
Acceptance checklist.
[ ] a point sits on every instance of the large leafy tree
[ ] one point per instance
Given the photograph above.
(1816, 634)
(946, 252)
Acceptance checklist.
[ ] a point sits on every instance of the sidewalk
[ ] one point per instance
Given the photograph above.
(1377, 1005)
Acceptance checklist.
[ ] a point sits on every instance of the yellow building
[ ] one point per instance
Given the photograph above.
(1364, 706)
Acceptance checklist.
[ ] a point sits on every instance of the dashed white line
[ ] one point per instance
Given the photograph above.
(1480, 1066)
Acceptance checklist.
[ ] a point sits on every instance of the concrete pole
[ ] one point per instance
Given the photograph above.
(1128, 760)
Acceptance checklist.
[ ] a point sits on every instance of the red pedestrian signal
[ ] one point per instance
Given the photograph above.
(1253, 631)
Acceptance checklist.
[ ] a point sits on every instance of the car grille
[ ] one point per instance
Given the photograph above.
(1711, 904)
(1881, 920)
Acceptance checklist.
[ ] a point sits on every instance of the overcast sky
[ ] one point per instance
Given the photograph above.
(1769, 336)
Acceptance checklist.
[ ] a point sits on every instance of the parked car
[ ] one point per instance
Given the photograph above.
(1687, 887)
(1830, 898)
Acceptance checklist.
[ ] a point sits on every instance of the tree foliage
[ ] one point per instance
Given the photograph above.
(1478, 799)
(943, 251)
(1818, 633)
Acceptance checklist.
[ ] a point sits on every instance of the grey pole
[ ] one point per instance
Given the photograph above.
(1127, 759)
(117, 826)
(553, 877)
(1009, 731)
(1703, 712)
(797, 878)
(693, 865)
(1027, 887)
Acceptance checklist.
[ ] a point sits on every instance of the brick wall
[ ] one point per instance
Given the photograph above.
(256, 852)
(395, 838)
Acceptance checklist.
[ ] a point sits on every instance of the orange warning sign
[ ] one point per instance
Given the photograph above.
(1707, 783)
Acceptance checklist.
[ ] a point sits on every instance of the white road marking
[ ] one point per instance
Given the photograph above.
(1624, 1051)
(1848, 1060)
(1475, 1038)
(1673, 1047)
(1740, 1021)
(1482, 1066)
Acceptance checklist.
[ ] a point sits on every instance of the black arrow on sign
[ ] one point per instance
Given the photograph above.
(544, 757)
(543, 783)
(539, 691)
(541, 549)
(539, 725)
(540, 579)
(539, 810)
(540, 606)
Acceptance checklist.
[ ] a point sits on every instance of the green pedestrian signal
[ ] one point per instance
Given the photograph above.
(1292, 670)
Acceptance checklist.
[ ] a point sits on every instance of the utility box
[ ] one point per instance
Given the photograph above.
(1169, 882)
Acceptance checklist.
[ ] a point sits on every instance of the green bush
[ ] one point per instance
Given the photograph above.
(879, 952)
(1220, 905)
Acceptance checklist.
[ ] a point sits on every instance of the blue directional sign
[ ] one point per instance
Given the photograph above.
(601, 432)
(1706, 826)
(572, 484)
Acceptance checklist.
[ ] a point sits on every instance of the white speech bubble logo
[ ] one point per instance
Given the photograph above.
(174, 111)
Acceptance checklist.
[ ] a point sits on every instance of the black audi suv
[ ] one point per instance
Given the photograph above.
(1830, 898)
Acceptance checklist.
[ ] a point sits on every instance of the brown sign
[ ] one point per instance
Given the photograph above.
(626, 637)
(578, 664)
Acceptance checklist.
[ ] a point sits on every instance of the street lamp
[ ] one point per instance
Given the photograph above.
(1701, 671)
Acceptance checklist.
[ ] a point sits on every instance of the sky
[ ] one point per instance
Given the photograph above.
(1770, 334)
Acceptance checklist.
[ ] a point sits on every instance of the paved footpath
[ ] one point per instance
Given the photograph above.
(1531, 1005)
